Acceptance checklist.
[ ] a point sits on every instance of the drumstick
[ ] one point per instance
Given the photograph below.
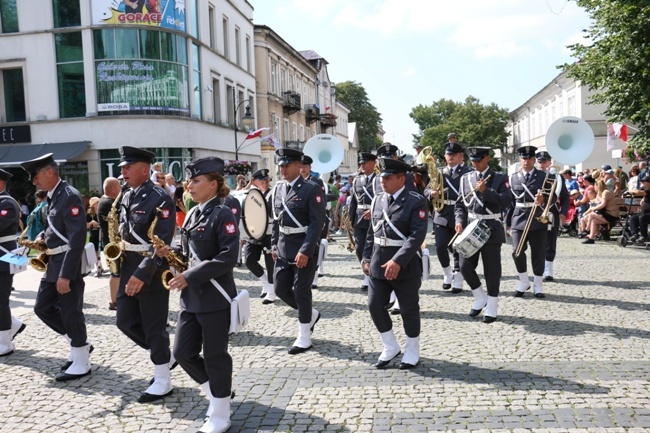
(453, 239)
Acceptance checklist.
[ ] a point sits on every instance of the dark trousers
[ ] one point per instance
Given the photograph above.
(207, 331)
(293, 285)
(537, 241)
(360, 236)
(551, 239)
(252, 253)
(63, 313)
(6, 281)
(639, 224)
(443, 235)
(491, 257)
(408, 295)
(143, 318)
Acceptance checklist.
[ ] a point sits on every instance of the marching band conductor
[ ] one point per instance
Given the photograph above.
(210, 241)
(392, 260)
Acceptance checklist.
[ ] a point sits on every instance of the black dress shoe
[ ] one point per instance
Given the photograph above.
(395, 312)
(383, 364)
(296, 350)
(456, 290)
(539, 295)
(489, 319)
(64, 377)
(446, 286)
(314, 286)
(406, 366)
(474, 313)
(364, 288)
(145, 397)
(321, 275)
(263, 295)
(21, 329)
(518, 294)
(548, 278)
(389, 305)
(315, 322)
(267, 302)
(588, 241)
(67, 364)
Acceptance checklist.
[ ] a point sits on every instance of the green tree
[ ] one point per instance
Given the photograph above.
(614, 62)
(474, 123)
(366, 116)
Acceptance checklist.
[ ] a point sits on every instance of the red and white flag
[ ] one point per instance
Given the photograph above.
(615, 131)
(255, 134)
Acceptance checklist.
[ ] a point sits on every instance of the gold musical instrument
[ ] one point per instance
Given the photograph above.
(175, 261)
(436, 180)
(346, 224)
(548, 190)
(113, 250)
(465, 199)
(545, 216)
(39, 263)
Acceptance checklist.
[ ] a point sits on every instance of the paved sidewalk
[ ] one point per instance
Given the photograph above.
(578, 360)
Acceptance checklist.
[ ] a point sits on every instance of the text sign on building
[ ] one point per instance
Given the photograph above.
(168, 14)
(15, 134)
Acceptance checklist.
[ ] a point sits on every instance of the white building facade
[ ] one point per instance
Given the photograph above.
(87, 77)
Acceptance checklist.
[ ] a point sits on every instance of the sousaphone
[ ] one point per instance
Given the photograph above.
(569, 140)
(326, 151)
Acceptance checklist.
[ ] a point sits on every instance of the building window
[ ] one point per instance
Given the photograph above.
(249, 66)
(237, 46)
(13, 109)
(141, 72)
(216, 101)
(211, 26)
(283, 78)
(230, 104)
(285, 133)
(8, 16)
(194, 18)
(274, 78)
(302, 133)
(196, 79)
(226, 42)
(66, 13)
(70, 75)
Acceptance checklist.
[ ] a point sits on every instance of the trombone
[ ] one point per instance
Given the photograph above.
(548, 189)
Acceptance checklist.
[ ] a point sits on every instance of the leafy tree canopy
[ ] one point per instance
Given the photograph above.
(475, 124)
(614, 62)
(366, 116)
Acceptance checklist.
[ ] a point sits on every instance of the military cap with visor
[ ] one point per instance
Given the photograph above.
(387, 150)
(131, 155)
(526, 151)
(33, 166)
(286, 156)
(543, 155)
(389, 166)
(451, 148)
(202, 166)
(478, 153)
(5, 175)
(261, 174)
(366, 156)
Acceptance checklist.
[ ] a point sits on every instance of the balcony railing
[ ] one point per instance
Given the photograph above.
(294, 144)
(290, 102)
(327, 120)
(312, 113)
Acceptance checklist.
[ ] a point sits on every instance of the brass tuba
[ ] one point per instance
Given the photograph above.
(436, 180)
(175, 261)
(113, 250)
(39, 263)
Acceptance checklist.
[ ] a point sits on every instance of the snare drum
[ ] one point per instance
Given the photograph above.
(254, 214)
(472, 239)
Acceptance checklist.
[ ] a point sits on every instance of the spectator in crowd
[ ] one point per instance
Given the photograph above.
(572, 214)
(604, 213)
(592, 196)
(157, 174)
(610, 181)
(240, 182)
(622, 177)
(587, 171)
(92, 225)
(171, 184)
(37, 219)
(642, 171)
(340, 204)
(569, 181)
(24, 212)
(639, 222)
(180, 205)
(187, 198)
(632, 182)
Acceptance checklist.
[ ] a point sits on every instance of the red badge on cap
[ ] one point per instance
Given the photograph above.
(234, 210)
(75, 211)
(165, 214)
(319, 199)
(422, 214)
(4, 212)
(230, 229)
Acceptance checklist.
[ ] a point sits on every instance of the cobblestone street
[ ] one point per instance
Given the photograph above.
(578, 360)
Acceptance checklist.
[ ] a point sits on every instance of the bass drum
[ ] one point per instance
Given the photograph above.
(254, 216)
(472, 239)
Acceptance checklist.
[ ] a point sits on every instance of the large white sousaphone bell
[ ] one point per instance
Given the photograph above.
(569, 140)
(326, 151)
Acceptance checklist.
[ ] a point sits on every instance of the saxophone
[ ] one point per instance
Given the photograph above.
(346, 224)
(39, 263)
(436, 180)
(175, 261)
(113, 250)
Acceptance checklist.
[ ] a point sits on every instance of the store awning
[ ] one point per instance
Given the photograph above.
(15, 154)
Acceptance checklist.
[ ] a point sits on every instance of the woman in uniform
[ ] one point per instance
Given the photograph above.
(209, 241)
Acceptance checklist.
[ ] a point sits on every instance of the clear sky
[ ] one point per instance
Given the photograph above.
(411, 52)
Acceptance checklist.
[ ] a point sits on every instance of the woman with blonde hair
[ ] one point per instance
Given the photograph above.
(210, 241)
(604, 213)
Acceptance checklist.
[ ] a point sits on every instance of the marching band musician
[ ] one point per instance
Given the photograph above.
(255, 249)
(142, 301)
(444, 221)
(298, 217)
(364, 188)
(305, 172)
(559, 209)
(10, 326)
(210, 240)
(391, 258)
(388, 150)
(483, 198)
(526, 186)
(59, 302)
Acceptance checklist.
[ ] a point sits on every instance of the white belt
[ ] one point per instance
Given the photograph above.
(476, 216)
(135, 247)
(7, 238)
(293, 230)
(384, 242)
(450, 202)
(269, 229)
(57, 250)
(363, 206)
(524, 205)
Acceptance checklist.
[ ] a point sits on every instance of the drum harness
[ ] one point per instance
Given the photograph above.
(451, 186)
(384, 241)
(525, 204)
(366, 193)
(490, 216)
(287, 230)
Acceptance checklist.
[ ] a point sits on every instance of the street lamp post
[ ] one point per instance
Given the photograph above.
(248, 120)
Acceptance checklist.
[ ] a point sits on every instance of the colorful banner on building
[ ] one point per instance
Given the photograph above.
(169, 14)
(142, 87)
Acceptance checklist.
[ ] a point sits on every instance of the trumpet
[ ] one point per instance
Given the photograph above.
(548, 189)
(175, 261)
(39, 263)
